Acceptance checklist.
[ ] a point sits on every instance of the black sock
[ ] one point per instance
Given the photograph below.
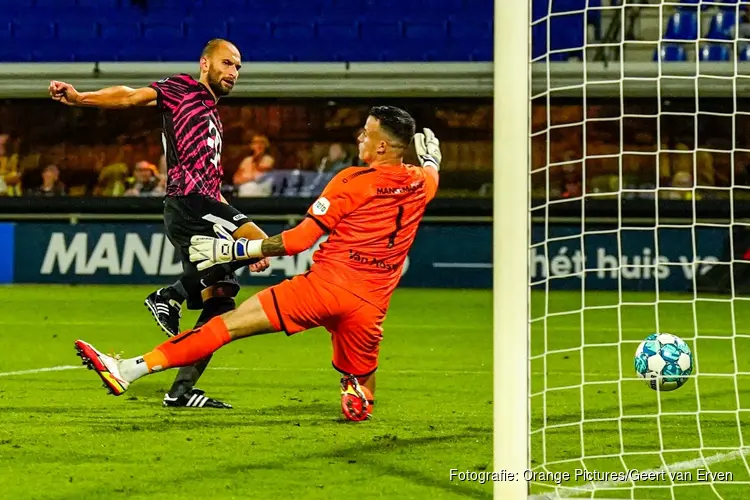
(191, 285)
(187, 376)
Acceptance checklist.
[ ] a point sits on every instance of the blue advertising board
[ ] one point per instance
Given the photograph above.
(631, 258)
(443, 256)
(7, 250)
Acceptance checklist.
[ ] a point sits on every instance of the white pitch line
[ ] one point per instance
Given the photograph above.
(257, 369)
(687, 465)
(41, 370)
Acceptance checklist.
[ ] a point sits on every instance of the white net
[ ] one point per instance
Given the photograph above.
(640, 150)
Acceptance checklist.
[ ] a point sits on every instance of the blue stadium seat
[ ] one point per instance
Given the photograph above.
(333, 31)
(248, 31)
(196, 29)
(463, 30)
(343, 12)
(715, 52)
(113, 5)
(53, 52)
(425, 30)
(671, 52)
(163, 30)
(287, 31)
(55, 4)
(82, 30)
(33, 29)
(382, 31)
(5, 31)
(118, 31)
(744, 52)
(722, 25)
(683, 25)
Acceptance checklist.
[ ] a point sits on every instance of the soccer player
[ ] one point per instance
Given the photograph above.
(192, 137)
(371, 214)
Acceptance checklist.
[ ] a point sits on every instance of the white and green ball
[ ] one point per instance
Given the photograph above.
(664, 361)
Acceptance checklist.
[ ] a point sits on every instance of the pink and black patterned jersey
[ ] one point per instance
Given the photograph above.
(191, 135)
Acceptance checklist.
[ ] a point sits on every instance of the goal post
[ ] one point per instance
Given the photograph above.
(510, 241)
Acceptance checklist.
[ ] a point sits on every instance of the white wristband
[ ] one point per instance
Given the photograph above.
(248, 249)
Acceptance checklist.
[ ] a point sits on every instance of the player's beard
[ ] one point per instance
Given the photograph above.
(214, 81)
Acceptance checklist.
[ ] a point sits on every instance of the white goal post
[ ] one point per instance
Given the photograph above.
(510, 241)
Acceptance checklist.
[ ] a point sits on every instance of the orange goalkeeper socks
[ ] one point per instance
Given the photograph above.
(189, 347)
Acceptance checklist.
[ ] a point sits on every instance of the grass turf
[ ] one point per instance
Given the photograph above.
(62, 437)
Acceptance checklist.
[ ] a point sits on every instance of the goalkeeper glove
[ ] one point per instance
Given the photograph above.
(428, 149)
(208, 251)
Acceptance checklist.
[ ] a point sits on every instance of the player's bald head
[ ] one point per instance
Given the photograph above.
(218, 45)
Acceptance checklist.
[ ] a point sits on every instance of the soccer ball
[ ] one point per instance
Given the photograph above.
(664, 361)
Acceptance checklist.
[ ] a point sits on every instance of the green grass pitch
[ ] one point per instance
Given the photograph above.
(63, 437)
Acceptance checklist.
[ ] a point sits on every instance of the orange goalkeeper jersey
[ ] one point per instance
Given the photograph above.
(372, 215)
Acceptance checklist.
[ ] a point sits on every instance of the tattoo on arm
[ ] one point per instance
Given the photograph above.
(273, 246)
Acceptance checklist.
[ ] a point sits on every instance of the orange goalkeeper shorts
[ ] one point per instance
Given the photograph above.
(306, 301)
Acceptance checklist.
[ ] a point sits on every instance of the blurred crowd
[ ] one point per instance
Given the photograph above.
(257, 174)
(270, 149)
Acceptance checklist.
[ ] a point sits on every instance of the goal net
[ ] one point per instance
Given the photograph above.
(639, 207)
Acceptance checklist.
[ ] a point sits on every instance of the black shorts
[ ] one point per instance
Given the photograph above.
(187, 216)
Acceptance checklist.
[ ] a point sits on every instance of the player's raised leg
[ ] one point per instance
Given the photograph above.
(184, 349)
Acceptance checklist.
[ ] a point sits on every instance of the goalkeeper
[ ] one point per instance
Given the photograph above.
(372, 215)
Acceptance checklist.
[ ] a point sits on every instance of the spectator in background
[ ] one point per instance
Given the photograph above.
(336, 161)
(51, 185)
(147, 181)
(10, 178)
(253, 167)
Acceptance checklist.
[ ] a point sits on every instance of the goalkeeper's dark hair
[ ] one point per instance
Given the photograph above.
(396, 122)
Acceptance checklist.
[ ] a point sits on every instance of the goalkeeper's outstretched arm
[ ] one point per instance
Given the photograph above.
(208, 251)
(110, 97)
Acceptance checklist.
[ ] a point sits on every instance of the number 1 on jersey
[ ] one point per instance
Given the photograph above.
(392, 237)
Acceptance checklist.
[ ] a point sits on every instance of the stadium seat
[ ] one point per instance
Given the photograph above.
(120, 31)
(463, 30)
(287, 31)
(670, 53)
(425, 30)
(333, 31)
(82, 30)
(715, 52)
(683, 25)
(32, 29)
(196, 29)
(162, 30)
(722, 26)
(102, 4)
(382, 31)
(744, 52)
